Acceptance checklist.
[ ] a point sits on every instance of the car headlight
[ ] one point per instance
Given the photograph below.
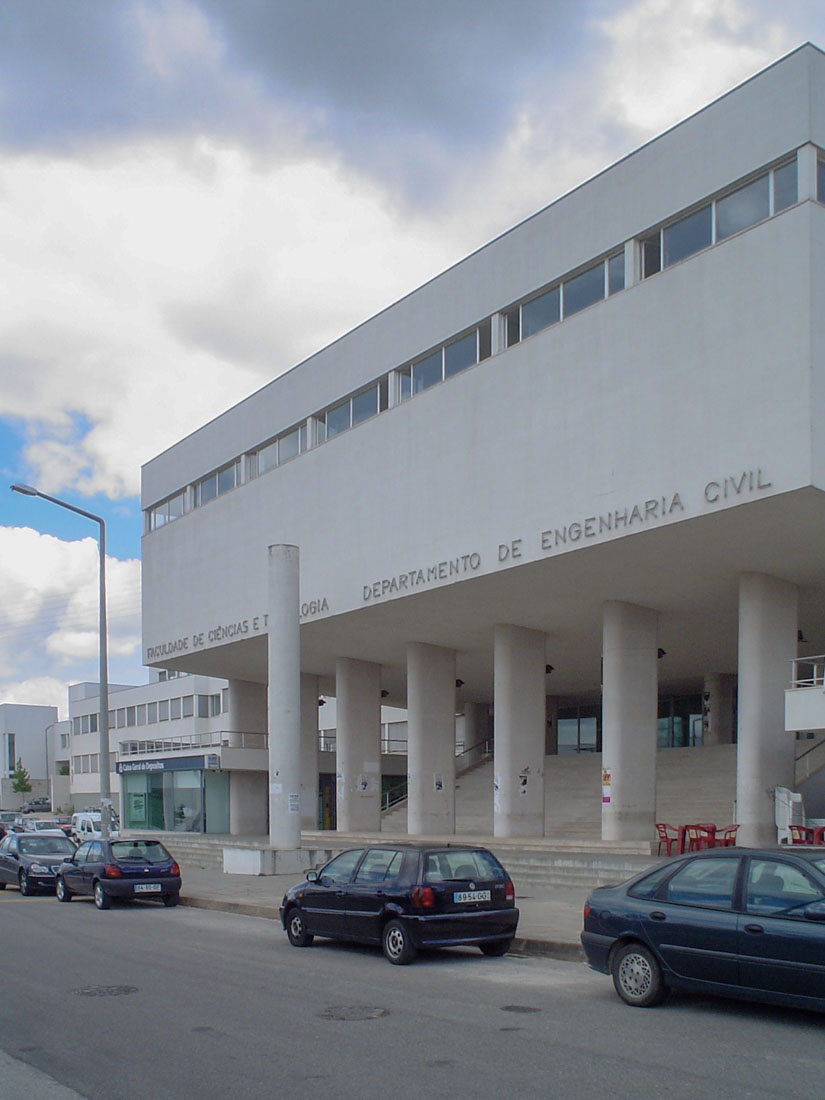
(39, 869)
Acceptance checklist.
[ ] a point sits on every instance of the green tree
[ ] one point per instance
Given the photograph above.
(22, 780)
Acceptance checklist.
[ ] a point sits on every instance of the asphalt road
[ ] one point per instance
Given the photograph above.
(146, 1001)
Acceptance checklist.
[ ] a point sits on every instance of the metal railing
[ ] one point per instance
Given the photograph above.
(467, 757)
(393, 795)
(808, 672)
(187, 741)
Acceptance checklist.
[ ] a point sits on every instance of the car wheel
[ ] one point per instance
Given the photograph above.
(102, 899)
(637, 976)
(495, 949)
(296, 929)
(398, 947)
(62, 890)
(25, 886)
(170, 900)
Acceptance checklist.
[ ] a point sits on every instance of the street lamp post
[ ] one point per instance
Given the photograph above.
(103, 753)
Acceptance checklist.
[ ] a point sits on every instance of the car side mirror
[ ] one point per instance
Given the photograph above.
(312, 876)
(815, 911)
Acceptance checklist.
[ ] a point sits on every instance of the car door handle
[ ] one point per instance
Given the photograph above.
(754, 928)
(341, 893)
(657, 914)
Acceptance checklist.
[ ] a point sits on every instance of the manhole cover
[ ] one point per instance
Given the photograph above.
(353, 1012)
(106, 990)
(519, 1008)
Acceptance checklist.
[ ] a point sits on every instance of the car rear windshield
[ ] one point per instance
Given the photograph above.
(45, 846)
(461, 866)
(147, 851)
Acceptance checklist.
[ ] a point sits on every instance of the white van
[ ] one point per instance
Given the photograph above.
(86, 826)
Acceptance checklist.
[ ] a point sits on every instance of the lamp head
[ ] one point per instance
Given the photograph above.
(25, 490)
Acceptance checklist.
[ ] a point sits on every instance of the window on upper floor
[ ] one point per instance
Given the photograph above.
(167, 511)
(215, 485)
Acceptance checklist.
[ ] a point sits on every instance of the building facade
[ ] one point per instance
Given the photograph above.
(24, 738)
(575, 482)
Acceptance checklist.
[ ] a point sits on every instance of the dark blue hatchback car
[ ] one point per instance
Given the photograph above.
(406, 897)
(743, 923)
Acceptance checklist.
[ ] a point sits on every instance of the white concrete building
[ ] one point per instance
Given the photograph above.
(595, 446)
(24, 738)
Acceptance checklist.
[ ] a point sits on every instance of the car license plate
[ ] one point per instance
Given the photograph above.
(147, 888)
(471, 895)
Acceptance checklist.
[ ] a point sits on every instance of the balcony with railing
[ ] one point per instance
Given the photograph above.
(187, 742)
(805, 697)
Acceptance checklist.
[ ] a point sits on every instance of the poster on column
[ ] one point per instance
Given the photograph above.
(607, 779)
(522, 783)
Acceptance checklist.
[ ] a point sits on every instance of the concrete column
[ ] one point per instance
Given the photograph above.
(430, 739)
(551, 729)
(247, 712)
(476, 732)
(765, 753)
(284, 699)
(309, 752)
(358, 743)
(629, 713)
(518, 782)
(247, 804)
(717, 710)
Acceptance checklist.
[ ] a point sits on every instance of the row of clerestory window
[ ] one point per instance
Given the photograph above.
(737, 208)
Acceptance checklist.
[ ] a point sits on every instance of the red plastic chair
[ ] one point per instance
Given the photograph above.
(726, 838)
(700, 836)
(669, 836)
(801, 834)
(819, 834)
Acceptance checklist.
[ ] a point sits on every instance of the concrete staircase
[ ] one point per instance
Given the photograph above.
(692, 785)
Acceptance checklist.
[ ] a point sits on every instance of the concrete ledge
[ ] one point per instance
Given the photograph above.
(265, 861)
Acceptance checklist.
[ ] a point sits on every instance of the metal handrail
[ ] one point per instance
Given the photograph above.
(393, 795)
(485, 746)
(817, 665)
(203, 740)
(814, 745)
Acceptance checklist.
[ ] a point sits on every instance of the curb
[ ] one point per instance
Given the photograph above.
(523, 947)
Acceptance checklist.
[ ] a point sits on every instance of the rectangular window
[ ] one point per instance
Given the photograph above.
(512, 318)
(175, 507)
(225, 700)
(93, 723)
(215, 704)
(289, 445)
(615, 273)
(652, 254)
(84, 723)
(151, 714)
(93, 766)
(76, 765)
(174, 708)
(121, 717)
(162, 675)
(207, 489)
(460, 354)
(75, 727)
(426, 372)
(188, 706)
(405, 378)
(540, 312)
(583, 290)
(228, 478)
(338, 419)
(485, 340)
(687, 236)
(743, 208)
(203, 706)
(111, 719)
(785, 192)
(140, 714)
(365, 405)
(163, 710)
(268, 457)
(130, 716)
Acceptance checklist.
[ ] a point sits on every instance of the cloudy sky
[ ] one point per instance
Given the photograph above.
(197, 194)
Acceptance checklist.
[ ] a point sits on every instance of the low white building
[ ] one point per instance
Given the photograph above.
(575, 482)
(24, 738)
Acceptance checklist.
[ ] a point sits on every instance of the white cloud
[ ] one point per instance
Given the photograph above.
(671, 57)
(49, 610)
(38, 691)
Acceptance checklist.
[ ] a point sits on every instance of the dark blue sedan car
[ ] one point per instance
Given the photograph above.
(738, 922)
(127, 870)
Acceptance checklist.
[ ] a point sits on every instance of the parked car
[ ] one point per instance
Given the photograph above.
(30, 860)
(64, 824)
(86, 825)
(7, 819)
(41, 825)
(405, 897)
(125, 869)
(744, 923)
(37, 806)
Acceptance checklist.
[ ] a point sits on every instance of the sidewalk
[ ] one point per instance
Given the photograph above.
(549, 925)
